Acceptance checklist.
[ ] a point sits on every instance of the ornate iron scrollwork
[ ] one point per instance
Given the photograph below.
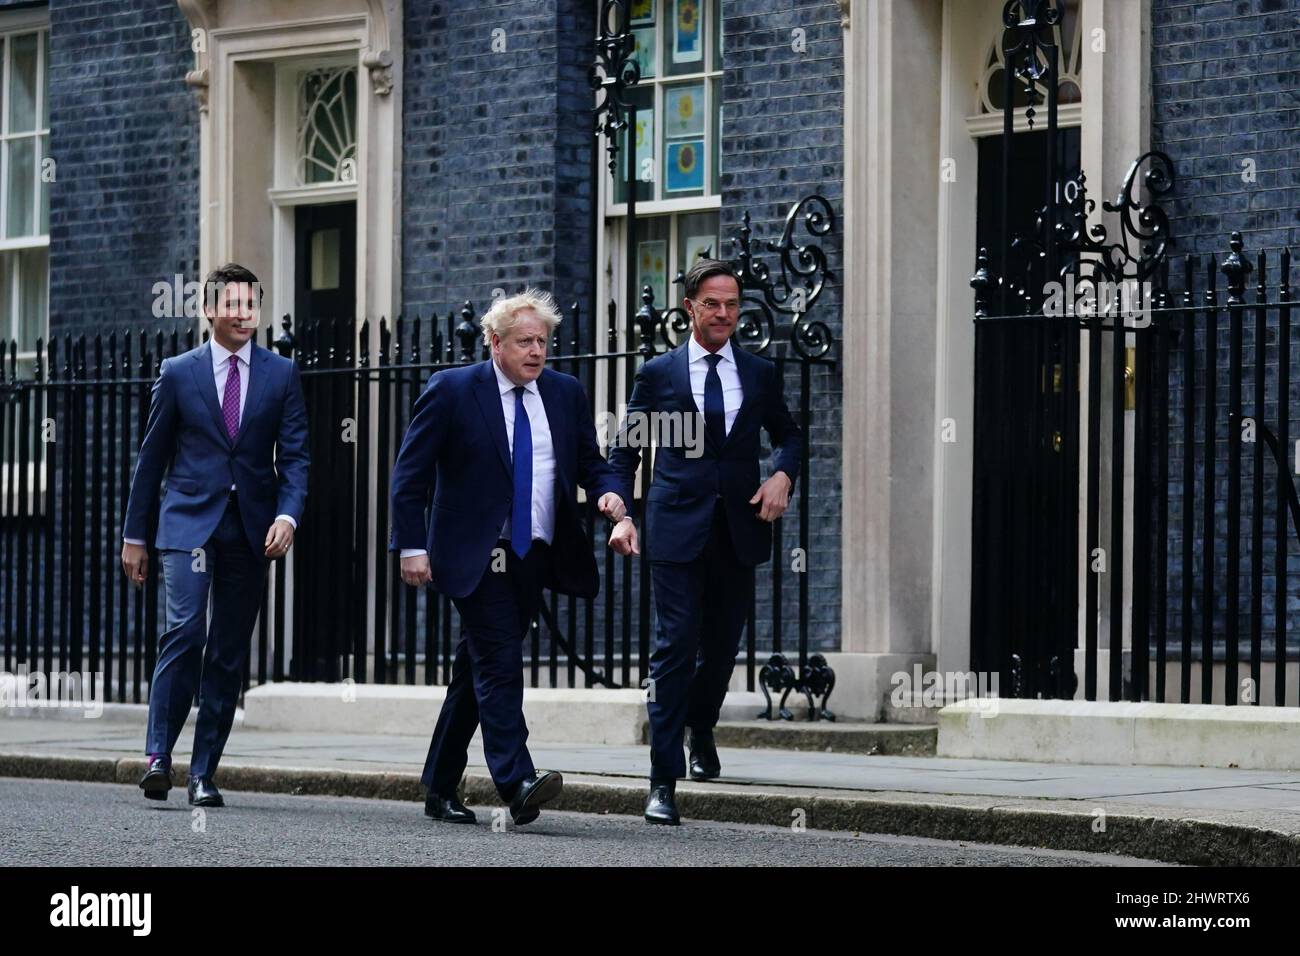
(614, 71)
(1144, 238)
(1085, 250)
(793, 291)
(802, 277)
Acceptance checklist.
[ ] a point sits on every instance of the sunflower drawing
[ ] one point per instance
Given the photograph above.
(688, 16)
(686, 159)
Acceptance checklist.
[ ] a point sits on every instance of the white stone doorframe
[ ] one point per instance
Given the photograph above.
(242, 212)
(911, 75)
(233, 41)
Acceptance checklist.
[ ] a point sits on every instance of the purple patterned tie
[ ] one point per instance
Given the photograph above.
(230, 401)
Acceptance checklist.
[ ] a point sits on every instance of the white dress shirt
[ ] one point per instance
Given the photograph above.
(221, 371)
(543, 503)
(732, 391)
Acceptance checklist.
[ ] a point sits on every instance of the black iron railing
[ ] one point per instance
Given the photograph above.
(70, 426)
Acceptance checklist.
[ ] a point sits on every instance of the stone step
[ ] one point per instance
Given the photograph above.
(850, 737)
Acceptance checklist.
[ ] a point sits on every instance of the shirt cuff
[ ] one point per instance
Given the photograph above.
(132, 541)
(288, 518)
(412, 552)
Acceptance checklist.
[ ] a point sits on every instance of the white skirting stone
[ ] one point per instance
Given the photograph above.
(1105, 732)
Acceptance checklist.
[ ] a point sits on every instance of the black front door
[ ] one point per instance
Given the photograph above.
(325, 327)
(1025, 515)
(325, 270)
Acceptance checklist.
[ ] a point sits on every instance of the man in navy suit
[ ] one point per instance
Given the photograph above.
(712, 515)
(501, 445)
(228, 426)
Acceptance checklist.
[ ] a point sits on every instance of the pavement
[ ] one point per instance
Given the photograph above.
(1200, 816)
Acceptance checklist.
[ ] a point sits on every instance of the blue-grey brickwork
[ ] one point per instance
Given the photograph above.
(124, 134)
(782, 139)
(496, 151)
(1226, 97)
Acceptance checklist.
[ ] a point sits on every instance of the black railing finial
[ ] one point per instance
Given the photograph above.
(467, 332)
(646, 319)
(1236, 267)
(284, 342)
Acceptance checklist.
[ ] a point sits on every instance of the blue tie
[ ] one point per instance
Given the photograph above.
(521, 511)
(715, 411)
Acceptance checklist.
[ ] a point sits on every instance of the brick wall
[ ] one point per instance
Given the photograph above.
(496, 151)
(1226, 98)
(125, 137)
(782, 139)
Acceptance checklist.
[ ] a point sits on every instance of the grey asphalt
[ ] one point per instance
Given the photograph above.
(45, 823)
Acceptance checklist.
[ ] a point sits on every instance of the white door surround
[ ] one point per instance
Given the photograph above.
(245, 207)
(912, 75)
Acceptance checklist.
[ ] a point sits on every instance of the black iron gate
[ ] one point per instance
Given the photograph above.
(1135, 505)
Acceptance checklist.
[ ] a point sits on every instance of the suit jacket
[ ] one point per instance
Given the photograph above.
(186, 438)
(680, 502)
(456, 447)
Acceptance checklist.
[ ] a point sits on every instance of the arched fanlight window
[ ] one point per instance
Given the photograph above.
(1069, 41)
(327, 137)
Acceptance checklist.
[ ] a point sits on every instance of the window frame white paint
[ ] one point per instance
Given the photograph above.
(17, 23)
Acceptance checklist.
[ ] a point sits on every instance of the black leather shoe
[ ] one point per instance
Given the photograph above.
(661, 807)
(534, 791)
(448, 808)
(157, 780)
(204, 793)
(705, 764)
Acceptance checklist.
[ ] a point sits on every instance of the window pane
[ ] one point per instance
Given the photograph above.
(683, 146)
(327, 142)
(715, 137)
(644, 51)
(33, 284)
(652, 260)
(697, 236)
(9, 324)
(643, 97)
(44, 226)
(21, 192)
(22, 93)
(325, 259)
(683, 37)
(45, 87)
(716, 26)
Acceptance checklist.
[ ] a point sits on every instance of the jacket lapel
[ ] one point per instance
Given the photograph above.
(259, 370)
(680, 372)
(748, 371)
(206, 382)
(488, 396)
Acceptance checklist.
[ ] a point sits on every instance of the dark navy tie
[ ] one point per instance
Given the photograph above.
(521, 511)
(715, 411)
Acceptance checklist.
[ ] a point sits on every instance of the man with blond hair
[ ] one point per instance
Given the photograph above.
(501, 444)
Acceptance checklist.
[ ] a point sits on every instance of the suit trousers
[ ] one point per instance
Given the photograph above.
(195, 655)
(487, 677)
(701, 607)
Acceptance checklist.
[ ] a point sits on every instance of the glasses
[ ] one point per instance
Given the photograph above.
(713, 305)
